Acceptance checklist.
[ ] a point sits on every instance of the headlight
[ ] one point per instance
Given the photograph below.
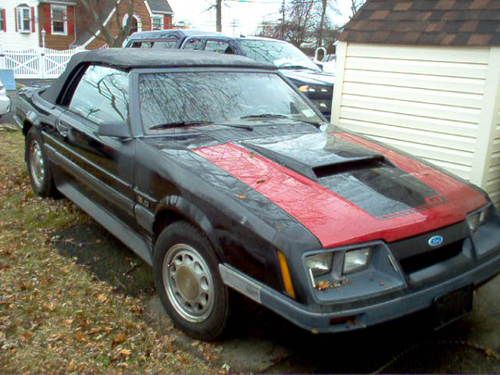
(320, 264)
(476, 219)
(356, 259)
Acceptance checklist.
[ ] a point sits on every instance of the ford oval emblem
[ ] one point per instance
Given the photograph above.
(435, 241)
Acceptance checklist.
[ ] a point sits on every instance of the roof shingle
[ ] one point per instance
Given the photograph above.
(426, 22)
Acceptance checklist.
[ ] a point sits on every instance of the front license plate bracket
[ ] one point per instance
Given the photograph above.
(452, 306)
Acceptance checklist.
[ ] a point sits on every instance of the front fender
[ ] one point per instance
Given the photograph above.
(192, 213)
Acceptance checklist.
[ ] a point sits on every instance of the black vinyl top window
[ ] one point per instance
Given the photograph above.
(102, 95)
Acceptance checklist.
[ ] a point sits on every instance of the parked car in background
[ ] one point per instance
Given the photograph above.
(220, 174)
(4, 100)
(292, 62)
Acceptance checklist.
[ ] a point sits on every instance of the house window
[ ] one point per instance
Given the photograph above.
(59, 19)
(157, 22)
(24, 19)
(3, 24)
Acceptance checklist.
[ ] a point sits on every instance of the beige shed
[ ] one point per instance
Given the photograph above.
(424, 76)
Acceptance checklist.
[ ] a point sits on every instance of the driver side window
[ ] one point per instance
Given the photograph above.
(102, 96)
(195, 44)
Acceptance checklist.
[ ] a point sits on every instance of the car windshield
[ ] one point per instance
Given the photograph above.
(281, 54)
(186, 98)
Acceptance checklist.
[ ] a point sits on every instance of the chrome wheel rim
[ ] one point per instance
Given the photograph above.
(188, 283)
(37, 164)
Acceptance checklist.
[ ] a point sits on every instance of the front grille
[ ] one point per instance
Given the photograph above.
(429, 258)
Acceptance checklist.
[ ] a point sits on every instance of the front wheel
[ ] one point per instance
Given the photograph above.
(188, 282)
(38, 165)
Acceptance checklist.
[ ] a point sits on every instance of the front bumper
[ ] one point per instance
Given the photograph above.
(364, 312)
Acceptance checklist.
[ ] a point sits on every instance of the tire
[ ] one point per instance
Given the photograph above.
(186, 272)
(38, 165)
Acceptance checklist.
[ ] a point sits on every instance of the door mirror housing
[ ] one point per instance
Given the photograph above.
(115, 130)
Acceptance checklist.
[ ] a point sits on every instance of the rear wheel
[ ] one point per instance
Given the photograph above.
(188, 281)
(38, 165)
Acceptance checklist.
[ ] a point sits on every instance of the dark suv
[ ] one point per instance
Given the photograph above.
(292, 62)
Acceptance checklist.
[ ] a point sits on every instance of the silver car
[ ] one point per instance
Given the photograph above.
(4, 100)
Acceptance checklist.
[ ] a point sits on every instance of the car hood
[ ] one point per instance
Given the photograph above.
(305, 76)
(343, 188)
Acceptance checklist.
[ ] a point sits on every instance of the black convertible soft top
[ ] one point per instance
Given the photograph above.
(134, 58)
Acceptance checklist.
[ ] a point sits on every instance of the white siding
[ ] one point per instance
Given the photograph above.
(16, 40)
(424, 100)
(493, 176)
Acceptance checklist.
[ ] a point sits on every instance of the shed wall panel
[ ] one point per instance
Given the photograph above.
(425, 100)
(493, 179)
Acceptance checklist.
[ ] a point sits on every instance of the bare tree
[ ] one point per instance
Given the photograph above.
(218, 11)
(324, 4)
(355, 6)
(96, 23)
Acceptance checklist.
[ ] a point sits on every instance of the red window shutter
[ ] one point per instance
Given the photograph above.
(167, 22)
(4, 17)
(48, 28)
(33, 19)
(71, 20)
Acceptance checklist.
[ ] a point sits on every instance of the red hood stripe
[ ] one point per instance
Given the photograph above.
(331, 218)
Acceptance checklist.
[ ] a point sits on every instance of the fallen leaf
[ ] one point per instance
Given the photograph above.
(119, 339)
(125, 352)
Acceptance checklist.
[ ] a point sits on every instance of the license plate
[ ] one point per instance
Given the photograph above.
(452, 306)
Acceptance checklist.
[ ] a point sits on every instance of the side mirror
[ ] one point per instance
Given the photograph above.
(115, 130)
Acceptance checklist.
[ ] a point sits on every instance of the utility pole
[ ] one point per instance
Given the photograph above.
(324, 4)
(283, 11)
(218, 9)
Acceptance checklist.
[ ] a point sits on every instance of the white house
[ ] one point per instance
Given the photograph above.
(18, 26)
(424, 76)
(65, 24)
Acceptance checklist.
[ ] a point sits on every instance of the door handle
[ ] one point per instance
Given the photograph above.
(62, 128)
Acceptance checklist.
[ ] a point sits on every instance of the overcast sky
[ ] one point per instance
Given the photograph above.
(240, 16)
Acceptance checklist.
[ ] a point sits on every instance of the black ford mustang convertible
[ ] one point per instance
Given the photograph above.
(217, 172)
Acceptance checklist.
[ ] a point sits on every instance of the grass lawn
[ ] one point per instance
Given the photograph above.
(55, 313)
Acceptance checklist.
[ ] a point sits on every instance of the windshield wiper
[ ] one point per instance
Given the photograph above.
(279, 116)
(179, 124)
(313, 123)
(264, 116)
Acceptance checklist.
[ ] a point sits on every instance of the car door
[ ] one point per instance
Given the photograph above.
(102, 167)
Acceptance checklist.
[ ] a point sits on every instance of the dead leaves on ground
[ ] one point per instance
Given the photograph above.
(54, 315)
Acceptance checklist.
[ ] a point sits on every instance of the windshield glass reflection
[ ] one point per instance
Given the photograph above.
(219, 97)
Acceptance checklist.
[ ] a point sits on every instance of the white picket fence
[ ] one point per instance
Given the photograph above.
(40, 63)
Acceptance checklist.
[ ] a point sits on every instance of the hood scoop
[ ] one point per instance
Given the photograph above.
(323, 165)
(348, 165)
